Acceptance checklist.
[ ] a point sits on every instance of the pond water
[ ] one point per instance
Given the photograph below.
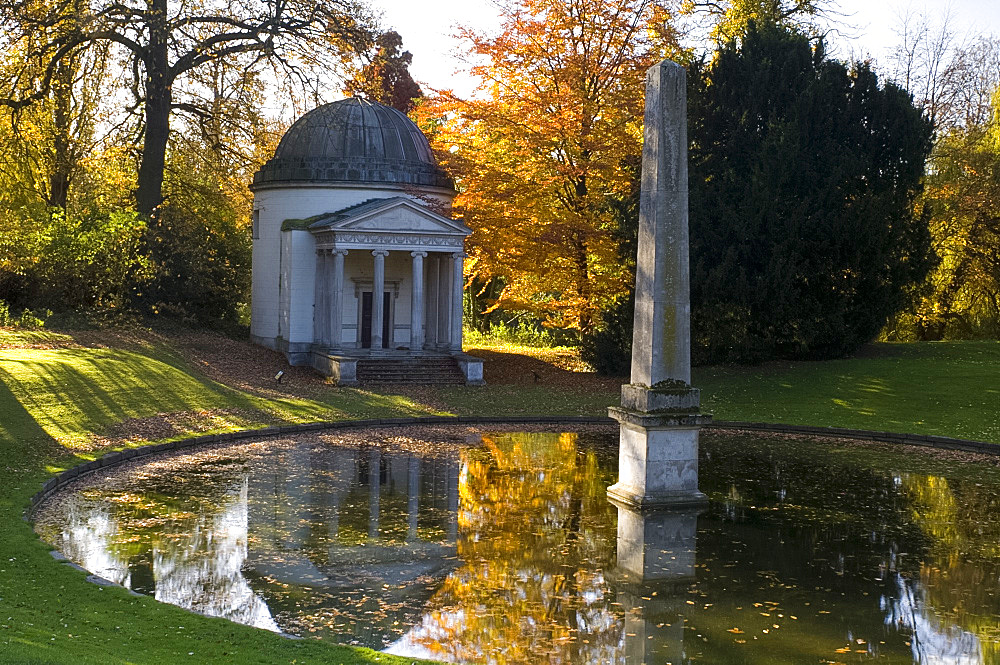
(501, 547)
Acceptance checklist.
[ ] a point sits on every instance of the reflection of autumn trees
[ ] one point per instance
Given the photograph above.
(960, 569)
(536, 537)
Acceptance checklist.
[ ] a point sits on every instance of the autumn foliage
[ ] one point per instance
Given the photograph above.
(537, 153)
(386, 77)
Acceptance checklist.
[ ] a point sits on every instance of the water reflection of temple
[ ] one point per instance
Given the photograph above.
(345, 498)
(374, 526)
(306, 528)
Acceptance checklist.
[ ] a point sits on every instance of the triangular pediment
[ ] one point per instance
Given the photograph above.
(394, 215)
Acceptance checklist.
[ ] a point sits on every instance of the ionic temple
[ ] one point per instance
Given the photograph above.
(357, 264)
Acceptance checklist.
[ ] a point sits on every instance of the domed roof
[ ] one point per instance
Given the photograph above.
(353, 141)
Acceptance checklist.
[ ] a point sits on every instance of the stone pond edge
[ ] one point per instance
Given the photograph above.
(112, 459)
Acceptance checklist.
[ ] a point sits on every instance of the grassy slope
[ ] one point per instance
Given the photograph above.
(53, 400)
(50, 400)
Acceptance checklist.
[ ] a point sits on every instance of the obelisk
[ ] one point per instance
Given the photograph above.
(660, 412)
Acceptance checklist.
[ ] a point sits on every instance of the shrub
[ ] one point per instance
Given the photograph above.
(609, 349)
(519, 332)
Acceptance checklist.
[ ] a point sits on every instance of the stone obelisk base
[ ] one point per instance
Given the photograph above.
(658, 450)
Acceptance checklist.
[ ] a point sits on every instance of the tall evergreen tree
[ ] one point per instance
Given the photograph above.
(804, 231)
(803, 181)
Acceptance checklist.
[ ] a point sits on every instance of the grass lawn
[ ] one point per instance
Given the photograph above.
(67, 398)
(942, 388)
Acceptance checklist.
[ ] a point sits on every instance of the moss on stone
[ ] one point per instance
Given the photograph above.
(671, 387)
(303, 224)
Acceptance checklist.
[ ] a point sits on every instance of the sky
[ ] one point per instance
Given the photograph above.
(427, 29)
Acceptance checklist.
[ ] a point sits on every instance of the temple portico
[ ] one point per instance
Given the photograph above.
(420, 310)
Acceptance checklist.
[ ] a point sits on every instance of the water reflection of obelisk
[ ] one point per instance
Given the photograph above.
(660, 412)
(656, 553)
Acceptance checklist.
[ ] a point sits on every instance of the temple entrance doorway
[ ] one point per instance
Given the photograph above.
(366, 319)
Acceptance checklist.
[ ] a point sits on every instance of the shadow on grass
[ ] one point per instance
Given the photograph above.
(73, 393)
(509, 368)
(248, 370)
(81, 396)
(25, 442)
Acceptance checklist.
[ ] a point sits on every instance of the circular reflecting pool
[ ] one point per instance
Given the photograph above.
(473, 545)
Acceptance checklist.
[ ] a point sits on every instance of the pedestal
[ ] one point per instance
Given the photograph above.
(658, 449)
(342, 369)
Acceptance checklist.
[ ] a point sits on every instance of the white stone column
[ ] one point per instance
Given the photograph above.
(320, 300)
(457, 288)
(417, 303)
(378, 288)
(336, 299)
(444, 304)
(433, 300)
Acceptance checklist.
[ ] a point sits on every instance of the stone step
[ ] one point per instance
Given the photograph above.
(410, 370)
(405, 370)
(433, 380)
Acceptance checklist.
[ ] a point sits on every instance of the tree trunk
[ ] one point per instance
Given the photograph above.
(580, 251)
(583, 290)
(149, 192)
(62, 161)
